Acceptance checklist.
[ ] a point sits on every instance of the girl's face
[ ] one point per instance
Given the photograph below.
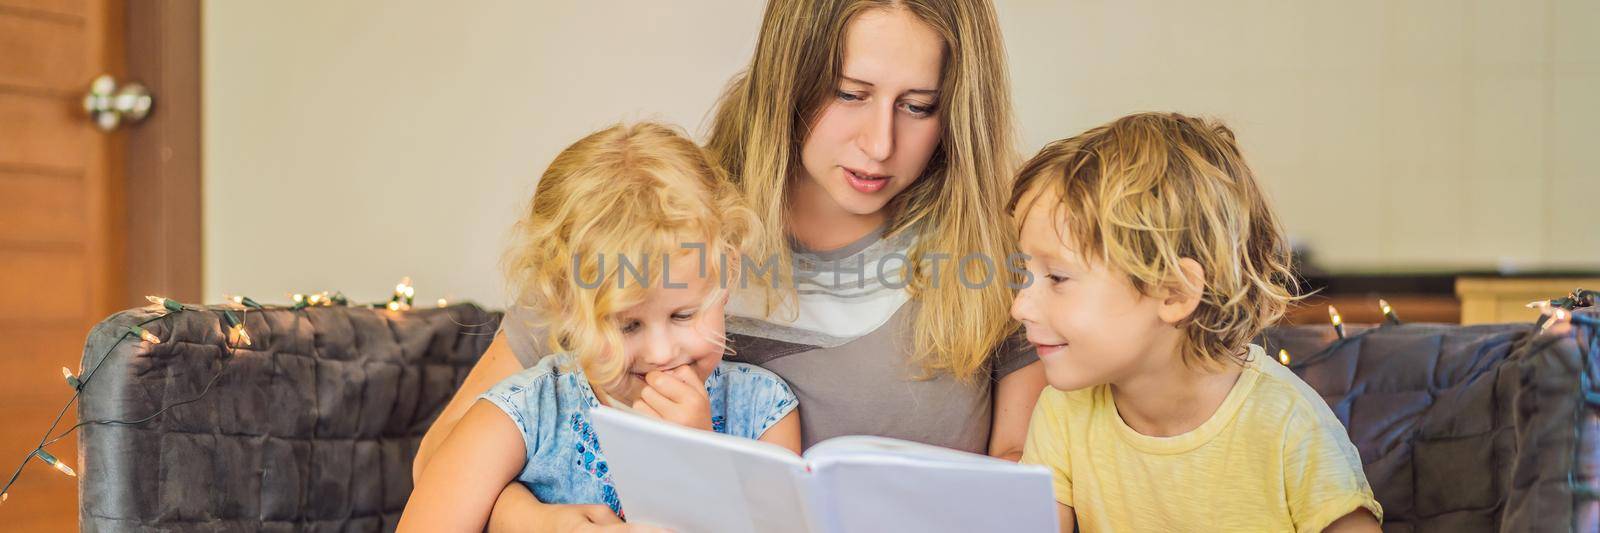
(875, 136)
(670, 331)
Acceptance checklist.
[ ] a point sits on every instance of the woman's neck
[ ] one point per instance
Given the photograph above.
(1171, 397)
(819, 224)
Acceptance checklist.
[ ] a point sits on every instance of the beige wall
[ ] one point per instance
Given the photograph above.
(350, 143)
(1392, 134)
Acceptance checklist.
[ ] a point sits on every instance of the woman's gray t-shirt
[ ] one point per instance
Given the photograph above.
(869, 385)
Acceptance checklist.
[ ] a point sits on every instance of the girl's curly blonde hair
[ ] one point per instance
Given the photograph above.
(641, 193)
(1150, 189)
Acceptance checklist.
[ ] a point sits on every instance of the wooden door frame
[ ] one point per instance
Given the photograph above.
(162, 195)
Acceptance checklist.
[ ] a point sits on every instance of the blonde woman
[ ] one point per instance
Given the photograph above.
(869, 136)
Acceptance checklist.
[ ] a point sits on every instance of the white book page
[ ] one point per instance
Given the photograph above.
(870, 446)
(878, 484)
(691, 481)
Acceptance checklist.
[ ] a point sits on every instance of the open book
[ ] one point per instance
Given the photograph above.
(697, 481)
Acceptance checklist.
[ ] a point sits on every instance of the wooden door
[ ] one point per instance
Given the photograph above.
(60, 181)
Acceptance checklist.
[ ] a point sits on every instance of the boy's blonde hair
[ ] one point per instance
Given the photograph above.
(1150, 189)
(641, 191)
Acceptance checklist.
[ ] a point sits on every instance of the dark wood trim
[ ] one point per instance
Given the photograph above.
(163, 194)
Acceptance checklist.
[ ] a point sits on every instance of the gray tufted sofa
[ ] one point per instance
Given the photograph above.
(1462, 428)
(314, 427)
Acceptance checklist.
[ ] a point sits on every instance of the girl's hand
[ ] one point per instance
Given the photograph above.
(677, 396)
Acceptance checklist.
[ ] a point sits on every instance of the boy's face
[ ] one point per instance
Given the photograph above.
(1089, 324)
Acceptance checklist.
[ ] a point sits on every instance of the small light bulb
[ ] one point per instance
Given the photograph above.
(410, 291)
(1283, 356)
(145, 334)
(443, 303)
(1338, 322)
(170, 304)
(237, 336)
(66, 373)
(394, 306)
(1557, 316)
(299, 298)
(1388, 312)
(52, 461)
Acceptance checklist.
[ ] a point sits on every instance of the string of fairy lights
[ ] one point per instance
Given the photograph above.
(1552, 313)
(1337, 321)
(237, 337)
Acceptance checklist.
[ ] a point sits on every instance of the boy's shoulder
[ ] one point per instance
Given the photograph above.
(1281, 396)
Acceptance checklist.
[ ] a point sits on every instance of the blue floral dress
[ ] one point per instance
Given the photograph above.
(550, 404)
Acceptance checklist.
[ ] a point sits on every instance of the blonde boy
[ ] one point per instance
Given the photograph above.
(1155, 259)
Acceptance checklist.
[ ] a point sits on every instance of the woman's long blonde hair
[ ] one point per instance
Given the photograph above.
(957, 205)
(642, 191)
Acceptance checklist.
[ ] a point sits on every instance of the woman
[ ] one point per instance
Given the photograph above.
(868, 135)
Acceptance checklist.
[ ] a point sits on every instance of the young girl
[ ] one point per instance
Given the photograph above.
(619, 257)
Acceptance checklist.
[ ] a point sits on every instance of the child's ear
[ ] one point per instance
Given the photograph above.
(1180, 298)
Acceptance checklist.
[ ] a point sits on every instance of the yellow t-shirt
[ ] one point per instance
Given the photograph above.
(1272, 458)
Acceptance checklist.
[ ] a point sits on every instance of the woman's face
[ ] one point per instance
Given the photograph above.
(875, 135)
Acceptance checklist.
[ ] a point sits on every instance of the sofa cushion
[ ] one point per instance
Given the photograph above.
(1473, 428)
(312, 428)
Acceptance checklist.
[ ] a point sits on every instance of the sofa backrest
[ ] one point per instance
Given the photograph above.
(1460, 428)
(311, 428)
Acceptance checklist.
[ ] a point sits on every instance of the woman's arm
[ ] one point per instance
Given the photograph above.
(786, 432)
(532, 516)
(473, 474)
(1014, 398)
(469, 471)
(497, 364)
(1067, 520)
(517, 506)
